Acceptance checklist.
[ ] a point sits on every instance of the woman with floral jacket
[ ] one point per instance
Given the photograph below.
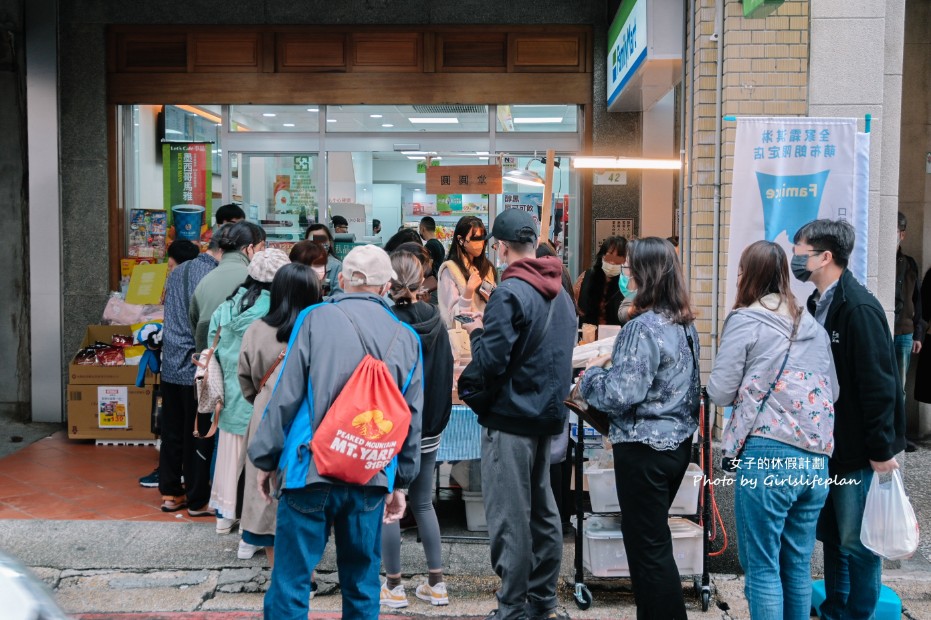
(651, 395)
(775, 367)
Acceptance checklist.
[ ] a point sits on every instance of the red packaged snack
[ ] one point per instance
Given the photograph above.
(86, 357)
(111, 356)
(122, 340)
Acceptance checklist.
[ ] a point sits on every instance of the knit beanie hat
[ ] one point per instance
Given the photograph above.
(265, 264)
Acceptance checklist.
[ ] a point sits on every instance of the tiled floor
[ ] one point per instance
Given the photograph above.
(58, 478)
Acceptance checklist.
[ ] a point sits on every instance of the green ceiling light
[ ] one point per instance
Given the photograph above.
(758, 9)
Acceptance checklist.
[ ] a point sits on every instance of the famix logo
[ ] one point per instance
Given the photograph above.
(790, 201)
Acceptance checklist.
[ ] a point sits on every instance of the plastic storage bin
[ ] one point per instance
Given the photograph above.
(605, 556)
(475, 511)
(686, 500)
(603, 491)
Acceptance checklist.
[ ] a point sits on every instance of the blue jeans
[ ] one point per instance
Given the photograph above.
(777, 509)
(305, 518)
(903, 355)
(852, 573)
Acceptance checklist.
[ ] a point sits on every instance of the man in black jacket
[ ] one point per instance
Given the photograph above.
(528, 334)
(909, 327)
(869, 415)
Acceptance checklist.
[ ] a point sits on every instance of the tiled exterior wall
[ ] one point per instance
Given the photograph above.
(765, 73)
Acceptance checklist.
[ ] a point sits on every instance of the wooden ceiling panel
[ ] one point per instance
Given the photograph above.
(311, 52)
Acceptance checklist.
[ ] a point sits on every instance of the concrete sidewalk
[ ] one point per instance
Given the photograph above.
(121, 566)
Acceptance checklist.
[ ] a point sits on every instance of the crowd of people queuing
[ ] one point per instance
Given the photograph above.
(820, 384)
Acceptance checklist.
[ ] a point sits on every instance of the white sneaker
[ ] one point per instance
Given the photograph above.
(225, 525)
(395, 598)
(246, 551)
(435, 595)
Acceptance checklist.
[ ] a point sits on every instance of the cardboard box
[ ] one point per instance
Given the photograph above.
(105, 375)
(84, 416)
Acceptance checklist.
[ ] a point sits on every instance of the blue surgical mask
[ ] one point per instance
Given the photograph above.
(622, 284)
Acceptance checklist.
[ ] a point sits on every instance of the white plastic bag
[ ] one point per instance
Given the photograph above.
(889, 528)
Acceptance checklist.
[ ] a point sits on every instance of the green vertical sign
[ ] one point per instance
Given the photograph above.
(758, 9)
(187, 176)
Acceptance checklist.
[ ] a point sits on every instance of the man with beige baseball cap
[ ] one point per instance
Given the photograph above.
(365, 269)
(328, 343)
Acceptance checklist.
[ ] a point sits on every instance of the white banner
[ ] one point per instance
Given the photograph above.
(789, 171)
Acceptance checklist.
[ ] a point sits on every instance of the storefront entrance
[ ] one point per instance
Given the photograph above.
(291, 166)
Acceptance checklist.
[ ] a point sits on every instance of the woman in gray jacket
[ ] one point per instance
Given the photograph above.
(775, 367)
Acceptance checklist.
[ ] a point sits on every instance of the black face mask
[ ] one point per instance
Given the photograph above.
(800, 268)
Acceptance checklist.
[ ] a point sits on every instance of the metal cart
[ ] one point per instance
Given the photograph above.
(701, 454)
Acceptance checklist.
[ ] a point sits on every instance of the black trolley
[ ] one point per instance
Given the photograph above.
(701, 454)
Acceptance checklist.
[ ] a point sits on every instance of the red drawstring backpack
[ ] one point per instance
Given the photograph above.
(365, 427)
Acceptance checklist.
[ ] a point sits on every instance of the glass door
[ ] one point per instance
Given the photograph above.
(278, 191)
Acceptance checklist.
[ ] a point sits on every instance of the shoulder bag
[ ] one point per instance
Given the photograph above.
(208, 380)
(478, 392)
(270, 370)
(730, 465)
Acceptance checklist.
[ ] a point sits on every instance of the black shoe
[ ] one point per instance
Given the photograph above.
(910, 446)
(554, 614)
(150, 481)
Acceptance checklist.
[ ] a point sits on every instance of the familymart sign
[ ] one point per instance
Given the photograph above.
(628, 51)
(644, 53)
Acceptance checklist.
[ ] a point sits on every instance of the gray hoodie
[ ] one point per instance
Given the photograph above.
(800, 410)
(322, 355)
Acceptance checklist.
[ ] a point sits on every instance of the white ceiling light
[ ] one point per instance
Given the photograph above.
(625, 163)
(434, 121)
(387, 125)
(331, 120)
(524, 177)
(375, 115)
(313, 109)
(268, 114)
(538, 120)
(289, 124)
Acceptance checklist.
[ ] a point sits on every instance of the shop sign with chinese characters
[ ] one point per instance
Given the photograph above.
(464, 180)
(613, 228)
(187, 176)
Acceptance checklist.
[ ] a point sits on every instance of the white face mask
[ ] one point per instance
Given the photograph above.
(611, 270)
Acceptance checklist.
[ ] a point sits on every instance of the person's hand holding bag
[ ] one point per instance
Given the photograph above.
(890, 529)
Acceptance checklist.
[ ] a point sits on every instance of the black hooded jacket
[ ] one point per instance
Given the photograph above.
(869, 415)
(437, 366)
(531, 402)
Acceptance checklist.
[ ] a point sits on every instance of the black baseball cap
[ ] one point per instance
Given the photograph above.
(514, 225)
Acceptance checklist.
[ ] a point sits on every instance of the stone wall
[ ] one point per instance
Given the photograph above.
(14, 276)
